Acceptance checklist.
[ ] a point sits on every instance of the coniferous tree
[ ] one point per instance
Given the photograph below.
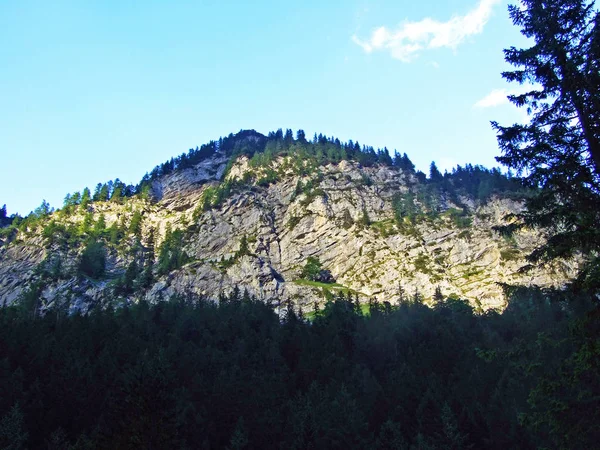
(401, 294)
(118, 191)
(93, 259)
(404, 207)
(76, 198)
(104, 193)
(288, 139)
(87, 223)
(100, 226)
(404, 162)
(43, 210)
(417, 298)
(171, 255)
(244, 249)
(559, 149)
(438, 297)
(97, 190)
(301, 136)
(434, 174)
(115, 233)
(135, 226)
(129, 278)
(384, 157)
(85, 199)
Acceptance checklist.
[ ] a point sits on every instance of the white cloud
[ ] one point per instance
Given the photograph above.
(410, 38)
(365, 46)
(498, 97)
(495, 98)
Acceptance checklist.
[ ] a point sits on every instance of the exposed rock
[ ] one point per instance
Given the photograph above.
(284, 229)
(188, 180)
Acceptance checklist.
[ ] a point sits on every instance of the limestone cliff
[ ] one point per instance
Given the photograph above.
(346, 219)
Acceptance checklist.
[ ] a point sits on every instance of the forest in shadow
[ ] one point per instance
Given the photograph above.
(191, 373)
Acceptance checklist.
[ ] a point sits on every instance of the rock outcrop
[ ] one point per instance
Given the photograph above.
(346, 220)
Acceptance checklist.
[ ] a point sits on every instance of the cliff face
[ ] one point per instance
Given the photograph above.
(345, 219)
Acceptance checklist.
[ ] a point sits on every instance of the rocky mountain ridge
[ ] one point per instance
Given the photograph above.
(259, 235)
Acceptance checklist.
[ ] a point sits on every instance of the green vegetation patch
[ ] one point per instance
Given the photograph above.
(510, 254)
(327, 287)
(318, 284)
(422, 263)
(385, 228)
(459, 217)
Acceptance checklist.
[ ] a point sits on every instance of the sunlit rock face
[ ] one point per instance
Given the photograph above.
(346, 221)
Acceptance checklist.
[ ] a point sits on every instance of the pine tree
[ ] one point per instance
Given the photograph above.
(100, 226)
(149, 250)
(301, 136)
(438, 297)
(434, 174)
(97, 190)
(104, 193)
(135, 226)
(87, 223)
(43, 210)
(288, 139)
(76, 198)
(115, 233)
(401, 294)
(244, 249)
(559, 149)
(85, 199)
(404, 162)
(417, 298)
(129, 277)
(93, 259)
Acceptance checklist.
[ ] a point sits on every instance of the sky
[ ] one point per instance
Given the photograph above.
(93, 91)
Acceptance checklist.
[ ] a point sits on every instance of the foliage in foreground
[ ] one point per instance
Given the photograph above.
(558, 150)
(193, 374)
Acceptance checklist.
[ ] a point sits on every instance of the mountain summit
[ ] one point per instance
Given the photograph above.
(284, 218)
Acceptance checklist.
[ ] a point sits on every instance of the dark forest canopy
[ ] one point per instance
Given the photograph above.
(189, 373)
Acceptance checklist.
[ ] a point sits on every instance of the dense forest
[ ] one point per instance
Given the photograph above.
(189, 373)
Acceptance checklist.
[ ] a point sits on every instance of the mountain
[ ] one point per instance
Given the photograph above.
(257, 213)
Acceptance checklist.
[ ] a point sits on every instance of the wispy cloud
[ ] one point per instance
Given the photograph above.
(495, 98)
(405, 42)
(498, 97)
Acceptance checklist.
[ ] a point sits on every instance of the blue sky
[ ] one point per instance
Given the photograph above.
(92, 91)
